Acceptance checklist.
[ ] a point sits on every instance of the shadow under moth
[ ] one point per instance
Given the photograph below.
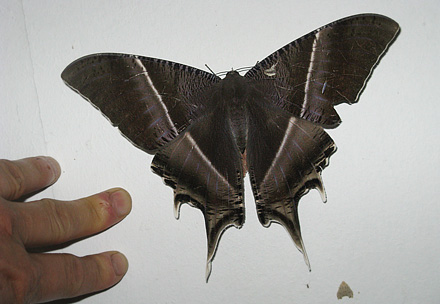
(206, 132)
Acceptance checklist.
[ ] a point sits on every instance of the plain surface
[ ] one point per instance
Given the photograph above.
(379, 231)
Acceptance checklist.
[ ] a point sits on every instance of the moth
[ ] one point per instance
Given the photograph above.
(206, 132)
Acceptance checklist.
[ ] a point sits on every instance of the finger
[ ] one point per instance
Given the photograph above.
(27, 175)
(67, 276)
(50, 222)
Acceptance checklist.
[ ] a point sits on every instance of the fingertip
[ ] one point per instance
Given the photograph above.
(53, 166)
(27, 175)
(120, 264)
(120, 200)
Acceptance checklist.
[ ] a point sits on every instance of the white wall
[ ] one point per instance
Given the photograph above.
(379, 231)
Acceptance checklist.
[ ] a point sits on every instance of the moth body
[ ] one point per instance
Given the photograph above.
(233, 99)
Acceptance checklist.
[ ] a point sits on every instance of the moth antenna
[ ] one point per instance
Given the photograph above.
(222, 73)
(232, 69)
(207, 66)
(242, 69)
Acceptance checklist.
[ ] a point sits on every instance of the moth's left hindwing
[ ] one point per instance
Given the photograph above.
(204, 167)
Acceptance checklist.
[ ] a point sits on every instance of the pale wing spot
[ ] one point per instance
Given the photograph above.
(271, 71)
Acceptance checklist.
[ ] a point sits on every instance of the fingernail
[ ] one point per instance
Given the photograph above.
(121, 202)
(120, 263)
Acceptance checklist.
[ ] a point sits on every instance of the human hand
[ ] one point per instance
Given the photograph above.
(38, 277)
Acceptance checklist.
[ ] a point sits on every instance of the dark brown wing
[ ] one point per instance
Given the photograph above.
(204, 167)
(285, 157)
(150, 100)
(331, 65)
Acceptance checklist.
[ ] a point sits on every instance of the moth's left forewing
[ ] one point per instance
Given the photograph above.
(150, 100)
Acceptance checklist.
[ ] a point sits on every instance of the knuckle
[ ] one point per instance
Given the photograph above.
(87, 274)
(75, 274)
(12, 179)
(7, 216)
(101, 271)
(60, 222)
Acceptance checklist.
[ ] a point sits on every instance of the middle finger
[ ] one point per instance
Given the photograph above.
(49, 222)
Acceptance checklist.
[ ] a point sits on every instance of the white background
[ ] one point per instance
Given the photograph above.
(380, 229)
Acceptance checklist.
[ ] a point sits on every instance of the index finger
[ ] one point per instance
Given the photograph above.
(27, 175)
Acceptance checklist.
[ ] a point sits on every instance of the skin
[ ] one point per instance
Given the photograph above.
(39, 277)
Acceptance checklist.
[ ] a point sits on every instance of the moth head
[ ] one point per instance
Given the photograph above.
(234, 85)
(233, 73)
